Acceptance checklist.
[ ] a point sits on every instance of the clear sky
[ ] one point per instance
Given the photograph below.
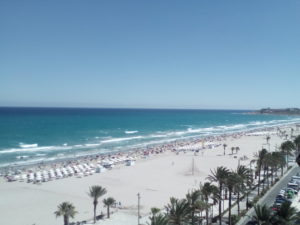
(165, 54)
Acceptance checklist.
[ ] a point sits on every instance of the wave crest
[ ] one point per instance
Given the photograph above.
(131, 131)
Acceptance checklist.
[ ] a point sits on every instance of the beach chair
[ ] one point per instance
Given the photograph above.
(79, 175)
(23, 177)
(30, 177)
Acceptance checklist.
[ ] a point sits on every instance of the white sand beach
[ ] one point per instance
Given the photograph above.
(156, 178)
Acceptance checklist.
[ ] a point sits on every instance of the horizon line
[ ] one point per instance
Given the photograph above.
(139, 108)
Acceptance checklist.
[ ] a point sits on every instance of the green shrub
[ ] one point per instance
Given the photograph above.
(234, 219)
(243, 212)
(250, 204)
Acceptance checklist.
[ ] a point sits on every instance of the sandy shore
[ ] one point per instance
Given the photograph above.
(157, 179)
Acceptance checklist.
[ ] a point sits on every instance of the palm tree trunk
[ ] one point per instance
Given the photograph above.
(272, 171)
(108, 213)
(66, 220)
(268, 177)
(206, 210)
(229, 206)
(95, 207)
(226, 193)
(201, 213)
(193, 217)
(247, 200)
(238, 202)
(206, 215)
(258, 186)
(220, 205)
(263, 184)
(212, 212)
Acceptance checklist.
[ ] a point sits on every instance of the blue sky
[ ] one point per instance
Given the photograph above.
(162, 54)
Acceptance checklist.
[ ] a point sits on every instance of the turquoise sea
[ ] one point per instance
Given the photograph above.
(29, 135)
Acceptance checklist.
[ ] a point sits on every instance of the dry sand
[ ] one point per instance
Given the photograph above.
(156, 179)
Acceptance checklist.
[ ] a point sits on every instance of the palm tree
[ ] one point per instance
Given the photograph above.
(232, 182)
(286, 215)
(224, 146)
(244, 174)
(260, 163)
(262, 215)
(297, 143)
(178, 211)
(192, 199)
(274, 161)
(159, 220)
(237, 149)
(287, 148)
(219, 176)
(95, 193)
(292, 132)
(250, 167)
(154, 212)
(271, 162)
(108, 202)
(201, 206)
(249, 185)
(209, 190)
(67, 210)
(232, 149)
(268, 139)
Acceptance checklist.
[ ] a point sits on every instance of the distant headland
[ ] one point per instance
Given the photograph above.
(287, 111)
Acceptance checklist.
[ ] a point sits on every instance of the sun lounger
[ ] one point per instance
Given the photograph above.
(80, 175)
(31, 177)
(23, 177)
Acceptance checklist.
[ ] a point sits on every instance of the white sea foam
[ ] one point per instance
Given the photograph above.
(200, 130)
(22, 145)
(258, 123)
(78, 146)
(220, 129)
(225, 128)
(131, 131)
(158, 136)
(121, 139)
(92, 145)
(232, 127)
(37, 149)
(154, 142)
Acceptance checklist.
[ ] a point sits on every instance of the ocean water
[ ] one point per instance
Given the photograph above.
(29, 135)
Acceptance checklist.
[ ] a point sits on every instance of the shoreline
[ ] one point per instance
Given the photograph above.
(50, 157)
(16, 168)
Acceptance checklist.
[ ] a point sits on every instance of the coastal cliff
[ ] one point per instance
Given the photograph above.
(287, 111)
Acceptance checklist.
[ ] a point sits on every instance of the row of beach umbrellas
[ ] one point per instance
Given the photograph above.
(78, 170)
